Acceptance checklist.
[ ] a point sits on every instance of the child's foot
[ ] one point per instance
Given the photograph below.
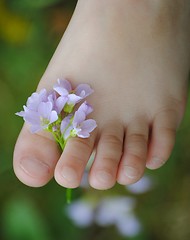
(135, 55)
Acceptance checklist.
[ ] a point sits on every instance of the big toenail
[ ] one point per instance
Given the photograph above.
(34, 167)
(131, 172)
(69, 174)
(104, 176)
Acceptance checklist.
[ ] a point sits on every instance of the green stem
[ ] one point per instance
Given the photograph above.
(59, 139)
(62, 144)
(68, 195)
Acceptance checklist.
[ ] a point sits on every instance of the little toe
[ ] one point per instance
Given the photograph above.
(162, 138)
(109, 151)
(35, 157)
(71, 165)
(133, 161)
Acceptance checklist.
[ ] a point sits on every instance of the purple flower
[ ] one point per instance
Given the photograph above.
(82, 127)
(45, 108)
(77, 124)
(119, 211)
(39, 111)
(144, 185)
(64, 89)
(81, 212)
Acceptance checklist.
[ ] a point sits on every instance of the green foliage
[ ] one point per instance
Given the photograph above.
(22, 220)
(28, 4)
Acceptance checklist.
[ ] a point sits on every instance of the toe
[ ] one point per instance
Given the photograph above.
(35, 157)
(133, 161)
(162, 138)
(71, 165)
(109, 150)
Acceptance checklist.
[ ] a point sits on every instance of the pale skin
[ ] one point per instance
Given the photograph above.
(135, 55)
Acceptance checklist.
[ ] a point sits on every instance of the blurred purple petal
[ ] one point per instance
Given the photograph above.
(20, 114)
(61, 91)
(52, 97)
(64, 124)
(83, 134)
(128, 225)
(73, 99)
(145, 184)
(85, 128)
(44, 109)
(112, 209)
(34, 100)
(60, 103)
(79, 117)
(88, 125)
(83, 90)
(68, 132)
(81, 213)
(86, 108)
(53, 117)
(32, 117)
(62, 87)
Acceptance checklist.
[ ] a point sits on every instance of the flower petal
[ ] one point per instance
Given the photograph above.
(32, 118)
(128, 225)
(68, 132)
(73, 99)
(83, 90)
(35, 99)
(53, 117)
(44, 109)
(62, 87)
(86, 108)
(83, 134)
(88, 125)
(79, 117)
(20, 114)
(64, 124)
(52, 97)
(60, 103)
(61, 91)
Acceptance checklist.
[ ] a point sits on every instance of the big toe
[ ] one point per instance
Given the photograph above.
(35, 157)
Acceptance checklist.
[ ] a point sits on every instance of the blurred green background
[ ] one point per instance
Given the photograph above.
(29, 34)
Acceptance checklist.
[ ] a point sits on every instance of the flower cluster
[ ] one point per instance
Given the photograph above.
(115, 211)
(56, 111)
(110, 210)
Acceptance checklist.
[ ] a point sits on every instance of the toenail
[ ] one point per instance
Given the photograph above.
(34, 168)
(104, 176)
(69, 174)
(155, 162)
(131, 172)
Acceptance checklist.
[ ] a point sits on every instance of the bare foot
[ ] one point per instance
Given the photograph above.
(135, 55)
